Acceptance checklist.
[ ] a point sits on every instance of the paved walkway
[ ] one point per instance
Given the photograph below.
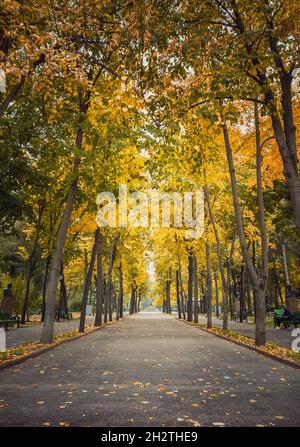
(282, 337)
(150, 370)
(15, 337)
(26, 334)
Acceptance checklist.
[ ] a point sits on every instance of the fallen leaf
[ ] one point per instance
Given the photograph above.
(64, 424)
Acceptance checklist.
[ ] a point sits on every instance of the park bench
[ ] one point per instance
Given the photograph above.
(6, 319)
(241, 315)
(63, 316)
(294, 320)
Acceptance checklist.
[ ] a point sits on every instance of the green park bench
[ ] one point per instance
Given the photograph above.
(294, 320)
(6, 319)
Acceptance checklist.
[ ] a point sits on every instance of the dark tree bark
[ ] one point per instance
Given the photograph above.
(87, 284)
(121, 292)
(47, 332)
(63, 304)
(45, 280)
(196, 291)
(99, 281)
(209, 287)
(217, 294)
(257, 284)
(260, 201)
(242, 292)
(282, 121)
(139, 300)
(105, 292)
(30, 266)
(182, 298)
(220, 262)
(248, 293)
(178, 295)
(168, 293)
(112, 257)
(132, 300)
(190, 287)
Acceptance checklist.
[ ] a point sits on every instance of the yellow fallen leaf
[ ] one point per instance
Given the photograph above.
(64, 424)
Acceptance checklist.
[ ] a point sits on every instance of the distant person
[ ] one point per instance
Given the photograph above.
(287, 315)
(7, 304)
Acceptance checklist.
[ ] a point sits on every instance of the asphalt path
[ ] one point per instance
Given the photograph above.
(150, 370)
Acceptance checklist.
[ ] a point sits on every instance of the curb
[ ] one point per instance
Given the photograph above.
(37, 352)
(251, 348)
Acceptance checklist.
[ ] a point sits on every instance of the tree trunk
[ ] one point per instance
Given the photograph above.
(45, 280)
(99, 281)
(181, 291)
(196, 291)
(190, 288)
(178, 295)
(139, 300)
(258, 288)
(63, 305)
(217, 294)
(260, 311)
(285, 265)
(209, 287)
(132, 300)
(284, 134)
(112, 257)
(47, 332)
(29, 269)
(121, 293)
(87, 284)
(242, 292)
(248, 294)
(260, 201)
(105, 291)
(27, 289)
(220, 262)
(291, 175)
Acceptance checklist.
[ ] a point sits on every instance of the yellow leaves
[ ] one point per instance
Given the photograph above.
(194, 423)
(23, 252)
(64, 424)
